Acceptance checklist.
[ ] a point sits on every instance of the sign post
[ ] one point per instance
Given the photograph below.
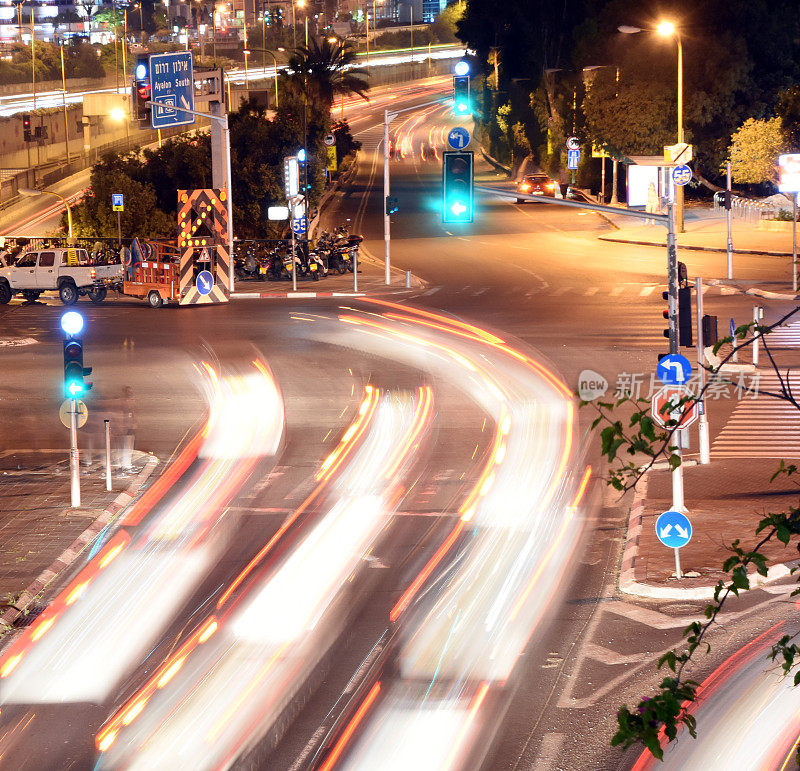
(118, 205)
(789, 182)
(674, 530)
(705, 451)
(458, 138)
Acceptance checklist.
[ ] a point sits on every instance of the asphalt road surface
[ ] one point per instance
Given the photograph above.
(536, 277)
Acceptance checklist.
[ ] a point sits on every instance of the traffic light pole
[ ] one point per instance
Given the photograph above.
(74, 468)
(388, 117)
(222, 120)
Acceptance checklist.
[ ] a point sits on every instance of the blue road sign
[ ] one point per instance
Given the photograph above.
(299, 224)
(682, 175)
(172, 84)
(458, 138)
(673, 529)
(117, 199)
(674, 369)
(204, 282)
(573, 158)
(733, 328)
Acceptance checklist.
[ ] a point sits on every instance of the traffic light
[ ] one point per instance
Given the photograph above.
(461, 94)
(74, 372)
(709, 330)
(457, 192)
(685, 336)
(391, 204)
(26, 127)
(141, 92)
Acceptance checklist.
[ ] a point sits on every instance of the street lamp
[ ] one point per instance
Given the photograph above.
(274, 59)
(668, 29)
(31, 193)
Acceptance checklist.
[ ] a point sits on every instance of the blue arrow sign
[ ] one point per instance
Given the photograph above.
(682, 175)
(458, 138)
(204, 282)
(674, 369)
(673, 529)
(172, 83)
(573, 158)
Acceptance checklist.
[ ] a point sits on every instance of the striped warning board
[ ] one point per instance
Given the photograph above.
(203, 244)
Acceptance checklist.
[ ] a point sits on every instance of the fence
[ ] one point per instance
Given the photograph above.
(746, 209)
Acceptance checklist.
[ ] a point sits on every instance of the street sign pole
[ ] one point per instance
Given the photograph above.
(705, 452)
(107, 424)
(74, 468)
(386, 220)
(672, 279)
(294, 263)
(677, 473)
(119, 229)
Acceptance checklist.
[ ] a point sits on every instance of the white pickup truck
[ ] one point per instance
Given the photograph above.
(66, 271)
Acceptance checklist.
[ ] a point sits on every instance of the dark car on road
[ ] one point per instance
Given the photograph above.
(538, 184)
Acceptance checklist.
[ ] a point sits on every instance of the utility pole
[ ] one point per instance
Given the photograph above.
(728, 206)
(64, 100)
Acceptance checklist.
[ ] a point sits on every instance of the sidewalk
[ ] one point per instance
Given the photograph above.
(40, 534)
(726, 500)
(706, 230)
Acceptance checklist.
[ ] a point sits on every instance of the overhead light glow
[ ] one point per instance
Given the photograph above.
(72, 322)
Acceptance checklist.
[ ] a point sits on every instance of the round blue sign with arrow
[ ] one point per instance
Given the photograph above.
(458, 138)
(674, 369)
(682, 175)
(673, 529)
(204, 282)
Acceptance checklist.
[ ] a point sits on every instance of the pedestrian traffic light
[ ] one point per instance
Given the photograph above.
(391, 204)
(709, 330)
(26, 127)
(141, 92)
(685, 336)
(461, 94)
(74, 372)
(727, 200)
(457, 190)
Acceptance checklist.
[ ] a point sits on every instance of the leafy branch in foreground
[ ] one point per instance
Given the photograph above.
(659, 716)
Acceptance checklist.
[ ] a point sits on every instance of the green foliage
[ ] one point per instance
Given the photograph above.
(445, 26)
(754, 151)
(80, 61)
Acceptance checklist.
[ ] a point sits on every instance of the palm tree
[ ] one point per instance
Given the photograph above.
(323, 72)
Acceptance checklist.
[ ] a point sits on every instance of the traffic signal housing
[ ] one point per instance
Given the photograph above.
(685, 333)
(74, 372)
(391, 204)
(457, 186)
(461, 105)
(141, 91)
(26, 127)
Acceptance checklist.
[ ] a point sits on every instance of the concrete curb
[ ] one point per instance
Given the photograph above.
(753, 291)
(627, 576)
(69, 555)
(694, 248)
(290, 295)
(499, 166)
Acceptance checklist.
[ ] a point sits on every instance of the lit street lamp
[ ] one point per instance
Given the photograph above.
(27, 191)
(274, 59)
(668, 29)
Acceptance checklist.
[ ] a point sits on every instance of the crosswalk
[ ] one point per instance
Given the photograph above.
(786, 336)
(762, 427)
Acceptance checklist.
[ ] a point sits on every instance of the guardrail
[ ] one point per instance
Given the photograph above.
(746, 209)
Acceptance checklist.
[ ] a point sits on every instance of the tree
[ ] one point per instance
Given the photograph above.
(754, 151)
(324, 71)
(445, 25)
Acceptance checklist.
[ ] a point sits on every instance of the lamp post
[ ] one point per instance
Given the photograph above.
(64, 101)
(668, 29)
(274, 59)
(31, 193)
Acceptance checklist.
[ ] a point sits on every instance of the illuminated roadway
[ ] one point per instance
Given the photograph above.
(516, 305)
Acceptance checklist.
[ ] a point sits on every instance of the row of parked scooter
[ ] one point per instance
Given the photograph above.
(335, 252)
